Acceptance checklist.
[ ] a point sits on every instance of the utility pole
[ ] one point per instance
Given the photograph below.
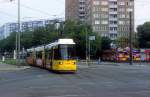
(19, 30)
(130, 39)
(16, 48)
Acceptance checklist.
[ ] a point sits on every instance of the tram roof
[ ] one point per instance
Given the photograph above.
(40, 48)
(30, 50)
(66, 41)
(49, 46)
(60, 41)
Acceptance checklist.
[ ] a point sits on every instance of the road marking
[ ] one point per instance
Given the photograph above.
(66, 96)
(37, 87)
(7, 69)
(87, 83)
(14, 68)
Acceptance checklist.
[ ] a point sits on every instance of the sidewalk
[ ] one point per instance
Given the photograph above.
(98, 63)
(7, 67)
(84, 64)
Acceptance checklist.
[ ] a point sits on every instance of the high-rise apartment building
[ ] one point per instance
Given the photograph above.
(8, 28)
(108, 17)
(75, 10)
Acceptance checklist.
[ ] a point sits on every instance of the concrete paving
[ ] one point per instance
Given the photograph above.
(90, 81)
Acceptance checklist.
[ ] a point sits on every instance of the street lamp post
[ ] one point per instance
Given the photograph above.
(130, 38)
(89, 49)
(86, 46)
(90, 39)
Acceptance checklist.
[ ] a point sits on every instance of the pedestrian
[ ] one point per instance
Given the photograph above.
(99, 60)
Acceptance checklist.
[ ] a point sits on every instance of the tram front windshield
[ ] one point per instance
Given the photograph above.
(65, 52)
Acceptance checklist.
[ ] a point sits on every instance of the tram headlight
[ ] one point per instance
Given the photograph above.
(60, 63)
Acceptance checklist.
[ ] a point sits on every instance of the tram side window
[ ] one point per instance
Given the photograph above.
(29, 54)
(64, 52)
(71, 52)
(48, 54)
(56, 53)
(39, 55)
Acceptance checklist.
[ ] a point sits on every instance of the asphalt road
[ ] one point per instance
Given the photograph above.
(94, 81)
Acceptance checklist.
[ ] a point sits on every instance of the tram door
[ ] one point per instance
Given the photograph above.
(30, 58)
(48, 57)
(39, 61)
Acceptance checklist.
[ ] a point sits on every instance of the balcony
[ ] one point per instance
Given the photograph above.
(113, 25)
(112, 12)
(113, 6)
(113, 19)
(112, 0)
(113, 32)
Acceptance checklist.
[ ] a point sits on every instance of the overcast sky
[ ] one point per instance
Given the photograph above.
(48, 9)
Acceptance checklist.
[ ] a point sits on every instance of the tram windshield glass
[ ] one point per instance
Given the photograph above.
(65, 52)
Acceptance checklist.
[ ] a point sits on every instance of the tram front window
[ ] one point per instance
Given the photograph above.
(64, 52)
(67, 52)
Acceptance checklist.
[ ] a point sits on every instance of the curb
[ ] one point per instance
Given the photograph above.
(15, 68)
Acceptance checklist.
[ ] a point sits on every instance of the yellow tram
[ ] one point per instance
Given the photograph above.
(57, 56)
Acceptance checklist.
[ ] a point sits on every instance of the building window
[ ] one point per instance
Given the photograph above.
(96, 2)
(113, 2)
(113, 15)
(104, 3)
(121, 3)
(113, 36)
(129, 9)
(104, 9)
(104, 22)
(113, 9)
(104, 15)
(128, 22)
(96, 9)
(122, 16)
(121, 9)
(131, 3)
(97, 22)
(96, 15)
(104, 28)
(113, 28)
(128, 16)
(96, 28)
(121, 22)
(113, 22)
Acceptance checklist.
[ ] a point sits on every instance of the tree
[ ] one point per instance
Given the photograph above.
(122, 42)
(8, 43)
(105, 42)
(135, 40)
(71, 29)
(78, 31)
(26, 39)
(144, 35)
